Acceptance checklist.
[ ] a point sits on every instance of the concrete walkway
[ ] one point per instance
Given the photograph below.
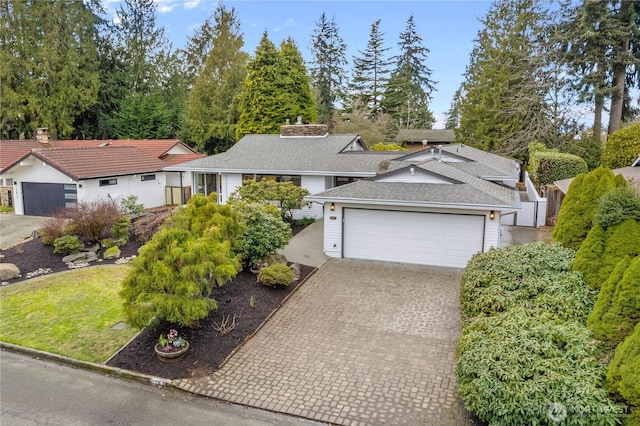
(306, 247)
(358, 343)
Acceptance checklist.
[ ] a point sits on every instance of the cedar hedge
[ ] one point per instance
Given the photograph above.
(552, 166)
(622, 147)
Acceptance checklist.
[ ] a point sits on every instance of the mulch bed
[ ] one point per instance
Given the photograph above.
(243, 298)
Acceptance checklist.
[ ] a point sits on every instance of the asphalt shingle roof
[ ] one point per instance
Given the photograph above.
(301, 155)
(470, 191)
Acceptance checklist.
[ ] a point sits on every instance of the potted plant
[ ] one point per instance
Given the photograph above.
(171, 347)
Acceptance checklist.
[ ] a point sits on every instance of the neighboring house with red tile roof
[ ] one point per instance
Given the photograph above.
(44, 177)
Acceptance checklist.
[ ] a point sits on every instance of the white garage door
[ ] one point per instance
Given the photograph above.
(411, 237)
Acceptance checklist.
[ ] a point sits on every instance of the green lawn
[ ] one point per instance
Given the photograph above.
(71, 313)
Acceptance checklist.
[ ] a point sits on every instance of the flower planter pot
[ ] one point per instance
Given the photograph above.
(174, 355)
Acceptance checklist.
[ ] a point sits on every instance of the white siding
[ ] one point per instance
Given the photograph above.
(33, 170)
(491, 231)
(314, 184)
(150, 193)
(229, 184)
(333, 231)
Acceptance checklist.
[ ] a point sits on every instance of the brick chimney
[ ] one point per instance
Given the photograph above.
(304, 130)
(42, 135)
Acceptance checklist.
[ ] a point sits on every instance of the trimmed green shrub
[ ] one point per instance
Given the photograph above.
(276, 274)
(120, 229)
(576, 216)
(623, 373)
(129, 205)
(67, 244)
(552, 166)
(618, 205)
(513, 367)
(175, 272)
(535, 275)
(617, 309)
(265, 231)
(603, 249)
(285, 195)
(386, 147)
(622, 147)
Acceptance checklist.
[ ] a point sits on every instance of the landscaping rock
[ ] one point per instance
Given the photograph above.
(8, 271)
(295, 268)
(86, 256)
(273, 258)
(111, 253)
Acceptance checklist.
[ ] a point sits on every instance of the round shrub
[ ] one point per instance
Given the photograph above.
(536, 275)
(513, 368)
(622, 147)
(623, 374)
(276, 274)
(68, 244)
(265, 231)
(618, 205)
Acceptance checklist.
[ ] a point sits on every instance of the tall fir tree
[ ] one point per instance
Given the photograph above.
(370, 72)
(48, 65)
(328, 74)
(275, 89)
(409, 88)
(503, 108)
(211, 113)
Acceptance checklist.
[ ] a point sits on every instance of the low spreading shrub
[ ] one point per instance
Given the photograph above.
(537, 276)
(67, 244)
(276, 274)
(516, 368)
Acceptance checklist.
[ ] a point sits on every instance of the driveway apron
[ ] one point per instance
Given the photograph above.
(358, 343)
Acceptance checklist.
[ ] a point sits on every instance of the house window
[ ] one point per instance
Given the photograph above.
(70, 195)
(205, 183)
(343, 180)
(296, 180)
(147, 177)
(107, 182)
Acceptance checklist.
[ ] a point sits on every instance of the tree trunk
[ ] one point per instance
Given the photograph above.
(597, 118)
(619, 70)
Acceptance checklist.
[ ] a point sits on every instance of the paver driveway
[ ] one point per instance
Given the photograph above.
(358, 343)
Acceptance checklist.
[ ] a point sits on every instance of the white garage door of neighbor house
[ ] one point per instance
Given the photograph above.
(412, 237)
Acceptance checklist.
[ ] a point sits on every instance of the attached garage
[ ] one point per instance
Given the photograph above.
(43, 199)
(412, 237)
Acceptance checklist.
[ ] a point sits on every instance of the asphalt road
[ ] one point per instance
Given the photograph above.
(35, 392)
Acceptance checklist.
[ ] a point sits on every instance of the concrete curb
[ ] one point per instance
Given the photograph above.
(101, 368)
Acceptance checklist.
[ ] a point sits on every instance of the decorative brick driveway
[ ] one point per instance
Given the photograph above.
(358, 343)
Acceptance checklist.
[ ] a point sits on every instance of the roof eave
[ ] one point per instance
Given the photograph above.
(345, 200)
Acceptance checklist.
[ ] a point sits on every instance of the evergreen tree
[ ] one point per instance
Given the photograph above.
(294, 84)
(174, 275)
(48, 65)
(370, 72)
(576, 216)
(211, 113)
(275, 89)
(327, 69)
(504, 108)
(617, 309)
(623, 374)
(408, 90)
(453, 114)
